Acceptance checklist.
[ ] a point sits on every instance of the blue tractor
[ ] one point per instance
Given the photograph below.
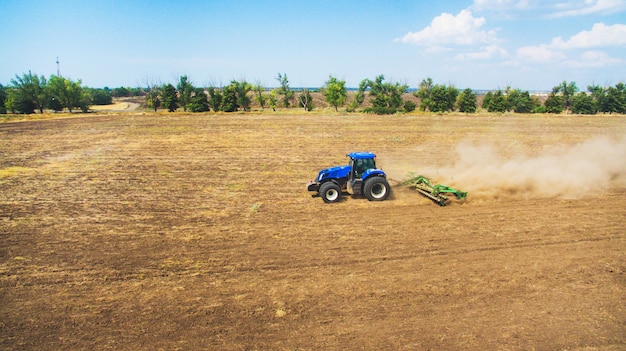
(360, 177)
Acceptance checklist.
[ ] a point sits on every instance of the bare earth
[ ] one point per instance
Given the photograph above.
(117, 106)
(139, 231)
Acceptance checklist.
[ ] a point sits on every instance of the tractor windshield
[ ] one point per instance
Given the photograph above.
(363, 164)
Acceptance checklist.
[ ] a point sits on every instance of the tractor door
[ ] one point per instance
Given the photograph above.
(355, 183)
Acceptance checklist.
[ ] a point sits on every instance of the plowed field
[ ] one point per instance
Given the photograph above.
(139, 231)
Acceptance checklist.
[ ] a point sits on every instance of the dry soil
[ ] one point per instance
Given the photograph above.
(139, 231)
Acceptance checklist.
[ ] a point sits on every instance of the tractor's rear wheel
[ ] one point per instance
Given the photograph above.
(330, 192)
(376, 189)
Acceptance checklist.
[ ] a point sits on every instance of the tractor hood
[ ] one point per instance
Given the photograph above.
(333, 173)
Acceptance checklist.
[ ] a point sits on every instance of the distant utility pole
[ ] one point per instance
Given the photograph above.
(58, 70)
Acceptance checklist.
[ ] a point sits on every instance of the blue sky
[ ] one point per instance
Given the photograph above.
(481, 44)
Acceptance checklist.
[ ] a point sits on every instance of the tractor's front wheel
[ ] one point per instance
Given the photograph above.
(376, 189)
(330, 192)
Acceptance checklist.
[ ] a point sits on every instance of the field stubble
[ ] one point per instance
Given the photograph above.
(133, 231)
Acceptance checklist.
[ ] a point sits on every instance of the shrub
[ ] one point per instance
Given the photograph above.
(409, 106)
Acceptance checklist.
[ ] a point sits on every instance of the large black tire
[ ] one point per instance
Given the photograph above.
(330, 192)
(376, 189)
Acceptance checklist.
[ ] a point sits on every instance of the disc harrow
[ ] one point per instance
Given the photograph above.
(437, 193)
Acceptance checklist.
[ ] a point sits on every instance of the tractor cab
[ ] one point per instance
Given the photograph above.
(360, 164)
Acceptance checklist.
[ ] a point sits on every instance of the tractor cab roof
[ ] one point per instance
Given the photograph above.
(361, 155)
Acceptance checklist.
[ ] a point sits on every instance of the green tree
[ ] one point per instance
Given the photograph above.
(616, 99)
(386, 98)
(519, 101)
(153, 93)
(554, 103)
(335, 92)
(512, 98)
(121, 92)
(409, 106)
(442, 98)
(86, 100)
(40, 92)
(242, 88)
(466, 101)
(68, 93)
(496, 102)
(284, 90)
(583, 104)
(10, 103)
(153, 97)
(199, 101)
(100, 96)
(229, 102)
(258, 95)
(236, 96)
(272, 100)
(184, 88)
(54, 104)
(537, 105)
(306, 100)
(31, 92)
(567, 91)
(18, 102)
(359, 96)
(138, 91)
(598, 95)
(526, 104)
(169, 98)
(424, 93)
(215, 99)
(3, 99)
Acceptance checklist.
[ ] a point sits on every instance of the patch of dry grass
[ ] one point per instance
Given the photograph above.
(13, 171)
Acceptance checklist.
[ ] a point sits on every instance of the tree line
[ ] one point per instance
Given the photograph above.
(29, 93)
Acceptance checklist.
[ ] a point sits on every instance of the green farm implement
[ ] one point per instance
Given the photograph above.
(437, 193)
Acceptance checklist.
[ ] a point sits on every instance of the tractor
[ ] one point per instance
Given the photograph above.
(358, 178)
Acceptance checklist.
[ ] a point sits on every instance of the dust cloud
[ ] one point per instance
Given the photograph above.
(565, 172)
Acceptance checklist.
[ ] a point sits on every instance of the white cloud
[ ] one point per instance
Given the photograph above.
(447, 29)
(548, 8)
(594, 59)
(499, 5)
(541, 53)
(487, 52)
(600, 35)
(437, 49)
(588, 7)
